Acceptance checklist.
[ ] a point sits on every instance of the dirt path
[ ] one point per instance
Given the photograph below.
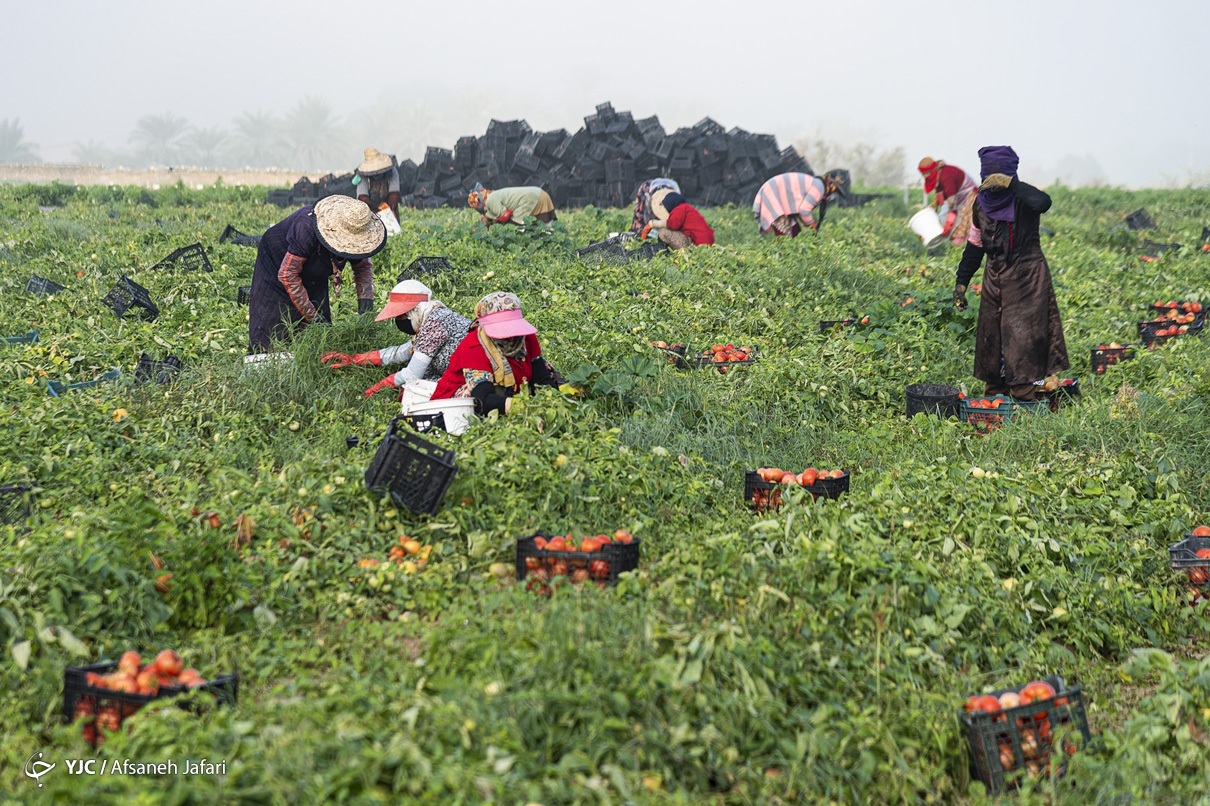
(152, 178)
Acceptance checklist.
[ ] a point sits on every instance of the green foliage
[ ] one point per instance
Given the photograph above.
(816, 654)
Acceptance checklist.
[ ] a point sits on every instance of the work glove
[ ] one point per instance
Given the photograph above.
(364, 306)
(960, 297)
(386, 383)
(504, 217)
(339, 360)
(996, 182)
(646, 231)
(951, 218)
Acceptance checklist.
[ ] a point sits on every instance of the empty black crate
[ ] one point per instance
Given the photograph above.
(127, 294)
(1140, 219)
(415, 473)
(279, 197)
(1104, 357)
(16, 503)
(102, 708)
(602, 566)
(187, 258)
(245, 294)
(150, 370)
(932, 398)
(610, 250)
(1015, 742)
(425, 422)
(426, 264)
(40, 285)
(233, 235)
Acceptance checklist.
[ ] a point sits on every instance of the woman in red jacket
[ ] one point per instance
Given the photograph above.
(679, 223)
(498, 357)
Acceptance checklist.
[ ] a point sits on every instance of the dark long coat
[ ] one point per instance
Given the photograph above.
(271, 313)
(1019, 338)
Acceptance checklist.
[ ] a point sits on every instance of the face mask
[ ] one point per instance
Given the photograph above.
(404, 323)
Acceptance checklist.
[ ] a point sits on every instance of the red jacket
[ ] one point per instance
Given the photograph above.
(689, 221)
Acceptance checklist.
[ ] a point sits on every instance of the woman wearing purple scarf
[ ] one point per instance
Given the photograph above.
(1019, 338)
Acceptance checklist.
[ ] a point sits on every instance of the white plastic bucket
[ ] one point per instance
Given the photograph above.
(457, 411)
(417, 391)
(927, 225)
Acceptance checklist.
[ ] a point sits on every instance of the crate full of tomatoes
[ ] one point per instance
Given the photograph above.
(1158, 331)
(724, 356)
(102, 695)
(1174, 309)
(1192, 555)
(1025, 731)
(986, 413)
(546, 561)
(1106, 355)
(763, 487)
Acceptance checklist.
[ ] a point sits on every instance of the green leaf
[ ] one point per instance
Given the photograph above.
(21, 652)
(72, 644)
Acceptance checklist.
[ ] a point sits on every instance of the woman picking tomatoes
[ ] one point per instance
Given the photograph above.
(297, 256)
(785, 204)
(437, 330)
(497, 358)
(1019, 338)
(678, 223)
(956, 189)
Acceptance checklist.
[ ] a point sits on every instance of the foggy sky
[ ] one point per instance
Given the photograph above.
(1121, 83)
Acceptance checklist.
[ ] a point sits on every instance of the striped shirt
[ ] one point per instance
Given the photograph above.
(787, 194)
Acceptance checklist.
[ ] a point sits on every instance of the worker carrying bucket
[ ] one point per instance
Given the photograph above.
(954, 193)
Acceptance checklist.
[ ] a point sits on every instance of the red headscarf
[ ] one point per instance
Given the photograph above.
(931, 170)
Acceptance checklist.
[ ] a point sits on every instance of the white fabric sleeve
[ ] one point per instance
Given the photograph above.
(396, 355)
(414, 370)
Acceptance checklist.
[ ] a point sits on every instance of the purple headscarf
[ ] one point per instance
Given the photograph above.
(1000, 205)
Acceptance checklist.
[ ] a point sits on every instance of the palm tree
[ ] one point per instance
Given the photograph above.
(205, 146)
(92, 153)
(257, 141)
(160, 138)
(315, 135)
(13, 145)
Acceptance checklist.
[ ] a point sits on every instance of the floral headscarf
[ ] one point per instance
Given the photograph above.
(478, 197)
(500, 350)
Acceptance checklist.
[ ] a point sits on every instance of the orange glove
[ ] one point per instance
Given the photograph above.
(386, 383)
(646, 231)
(339, 360)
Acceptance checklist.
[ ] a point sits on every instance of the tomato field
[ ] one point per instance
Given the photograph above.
(816, 652)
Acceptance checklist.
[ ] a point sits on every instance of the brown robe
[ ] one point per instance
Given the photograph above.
(1019, 338)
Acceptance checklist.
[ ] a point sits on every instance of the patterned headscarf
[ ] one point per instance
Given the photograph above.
(478, 197)
(500, 350)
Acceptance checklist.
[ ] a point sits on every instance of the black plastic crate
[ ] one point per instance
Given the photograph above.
(127, 294)
(611, 250)
(1140, 219)
(1010, 744)
(1155, 249)
(827, 326)
(1008, 411)
(1183, 307)
(674, 354)
(1068, 391)
(187, 258)
(58, 388)
(932, 398)
(102, 708)
(704, 360)
(280, 198)
(415, 473)
(602, 566)
(1183, 555)
(1104, 357)
(422, 423)
(230, 233)
(16, 503)
(763, 495)
(148, 370)
(1149, 331)
(245, 294)
(426, 264)
(40, 285)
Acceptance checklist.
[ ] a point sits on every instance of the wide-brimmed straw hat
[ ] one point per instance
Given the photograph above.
(404, 297)
(657, 203)
(375, 163)
(348, 228)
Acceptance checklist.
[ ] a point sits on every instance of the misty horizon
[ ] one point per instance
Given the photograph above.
(871, 84)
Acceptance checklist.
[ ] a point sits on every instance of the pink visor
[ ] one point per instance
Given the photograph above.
(400, 304)
(506, 325)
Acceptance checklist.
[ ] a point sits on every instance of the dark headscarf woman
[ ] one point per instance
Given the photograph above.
(1019, 338)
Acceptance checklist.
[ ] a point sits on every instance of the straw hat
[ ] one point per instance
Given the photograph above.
(657, 203)
(348, 228)
(374, 164)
